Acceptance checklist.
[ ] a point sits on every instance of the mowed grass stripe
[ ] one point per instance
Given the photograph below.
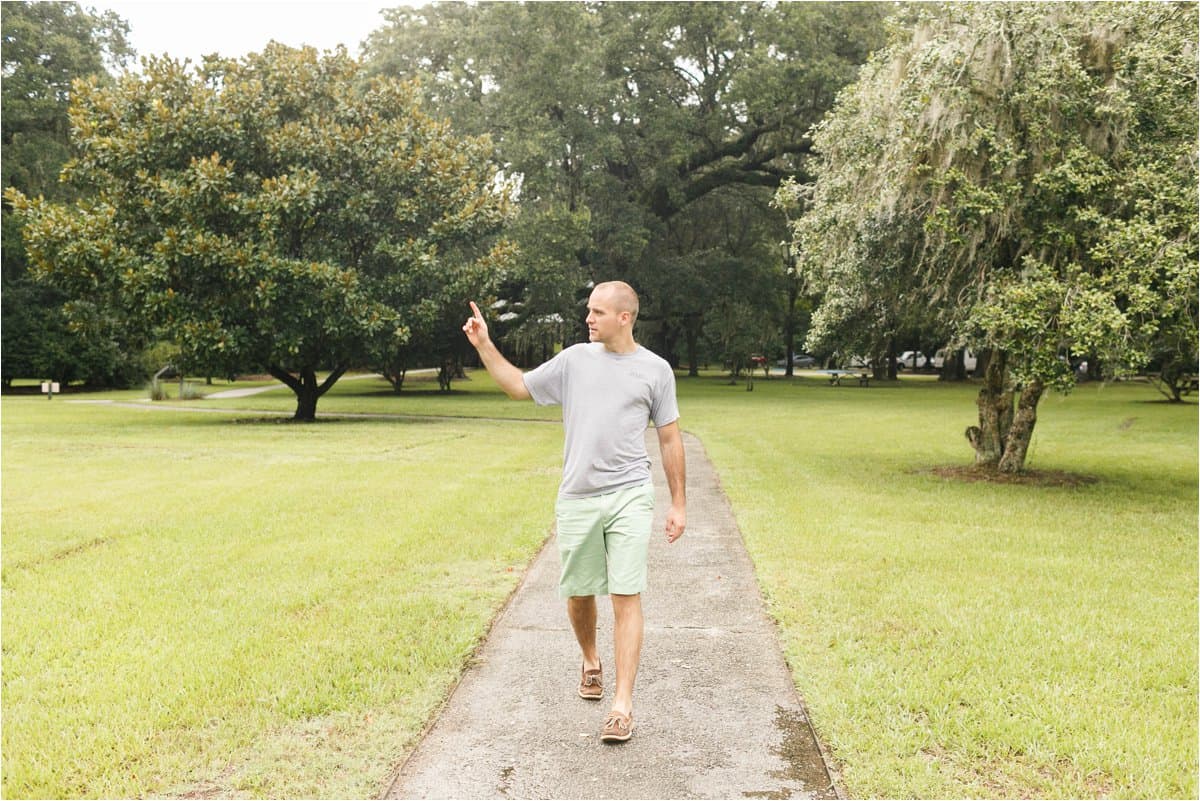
(189, 601)
(967, 639)
(951, 639)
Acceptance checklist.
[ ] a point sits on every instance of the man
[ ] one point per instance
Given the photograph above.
(609, 388)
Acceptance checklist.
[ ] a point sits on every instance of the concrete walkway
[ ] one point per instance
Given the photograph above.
(715, 712)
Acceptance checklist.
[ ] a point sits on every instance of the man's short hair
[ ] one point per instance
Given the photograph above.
(624, 297)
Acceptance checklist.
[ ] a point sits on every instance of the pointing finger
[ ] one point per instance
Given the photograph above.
(475, 309)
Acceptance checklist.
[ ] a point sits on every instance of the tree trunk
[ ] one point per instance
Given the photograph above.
(692, 331)
(1016, 444)
(995, 413)
(306, 404)
(308, 390)
(954, 366)
(1001, 440)
(790, 332)
(1172, 382)
(395, 374)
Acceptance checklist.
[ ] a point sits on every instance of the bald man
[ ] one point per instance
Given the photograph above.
(610, 388)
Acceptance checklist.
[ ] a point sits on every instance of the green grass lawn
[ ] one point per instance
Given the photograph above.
(224, 605)
(197, 604)
(961, 639)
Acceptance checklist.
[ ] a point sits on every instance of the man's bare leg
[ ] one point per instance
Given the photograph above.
(581, 609)
(627, 637)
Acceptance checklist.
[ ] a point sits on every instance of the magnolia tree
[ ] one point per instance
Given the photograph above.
(279, 211)
(1026, 174)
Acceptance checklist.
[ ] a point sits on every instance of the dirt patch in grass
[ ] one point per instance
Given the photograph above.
(1031, 478)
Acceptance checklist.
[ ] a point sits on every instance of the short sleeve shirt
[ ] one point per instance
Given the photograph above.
(608, 400)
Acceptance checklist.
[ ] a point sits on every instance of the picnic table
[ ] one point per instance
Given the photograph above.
(836, 376)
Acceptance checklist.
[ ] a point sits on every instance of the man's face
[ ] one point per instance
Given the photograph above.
(603, 320)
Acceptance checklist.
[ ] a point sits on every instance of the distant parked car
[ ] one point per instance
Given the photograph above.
(969, 361)
(859, 361)
(912, 360)
(801, 360)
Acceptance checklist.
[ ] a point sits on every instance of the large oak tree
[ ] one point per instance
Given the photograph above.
(644, 134)
(1027, 174)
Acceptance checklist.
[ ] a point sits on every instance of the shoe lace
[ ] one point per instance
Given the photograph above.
(617, 721)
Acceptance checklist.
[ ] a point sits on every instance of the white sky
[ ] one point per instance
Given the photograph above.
(190, 29)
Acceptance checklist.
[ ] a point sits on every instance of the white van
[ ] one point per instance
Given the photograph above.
(939, 359)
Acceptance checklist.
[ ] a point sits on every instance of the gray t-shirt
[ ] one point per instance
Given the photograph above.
(608, 399)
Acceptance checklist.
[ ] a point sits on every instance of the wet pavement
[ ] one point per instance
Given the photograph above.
(715, 712)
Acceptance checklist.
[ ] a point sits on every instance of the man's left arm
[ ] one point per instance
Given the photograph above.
(670, 444)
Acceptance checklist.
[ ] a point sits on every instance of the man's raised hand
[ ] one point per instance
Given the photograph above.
(475, 328)
(510, 378)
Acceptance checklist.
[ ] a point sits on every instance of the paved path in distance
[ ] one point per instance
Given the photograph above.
(246, 392)
(716, 714)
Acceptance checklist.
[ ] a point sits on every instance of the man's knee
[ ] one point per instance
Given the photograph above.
(581, 604)
(626, 604)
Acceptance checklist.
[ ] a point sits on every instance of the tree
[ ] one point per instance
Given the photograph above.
(45, 47)
(630, 123)
(276, 211)
(1028, 172)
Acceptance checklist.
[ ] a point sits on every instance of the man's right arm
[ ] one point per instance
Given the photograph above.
(508, 376)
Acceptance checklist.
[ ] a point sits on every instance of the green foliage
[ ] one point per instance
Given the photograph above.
(189, 391)
(643, 134)
(156, 390)
(39, 342)
(1026, 174)
(1027, 171)
(45, 47)
(279, 212)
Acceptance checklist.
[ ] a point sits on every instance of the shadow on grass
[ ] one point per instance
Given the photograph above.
(325, 418)
(425, 392)
(331, 418)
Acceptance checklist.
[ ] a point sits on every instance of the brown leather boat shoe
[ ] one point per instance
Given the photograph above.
(617, 728)
(591, 685)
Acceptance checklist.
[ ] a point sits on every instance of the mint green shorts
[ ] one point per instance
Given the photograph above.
(603, 542)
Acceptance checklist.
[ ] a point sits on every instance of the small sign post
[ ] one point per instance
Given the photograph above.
(49, 388)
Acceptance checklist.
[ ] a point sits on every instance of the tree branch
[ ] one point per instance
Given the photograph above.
(733, 148)
(292, 382)
(330, 380)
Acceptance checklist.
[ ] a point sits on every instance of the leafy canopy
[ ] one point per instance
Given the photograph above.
(278, 211)
(45, 47)
(1026, 171)
(641, 133)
